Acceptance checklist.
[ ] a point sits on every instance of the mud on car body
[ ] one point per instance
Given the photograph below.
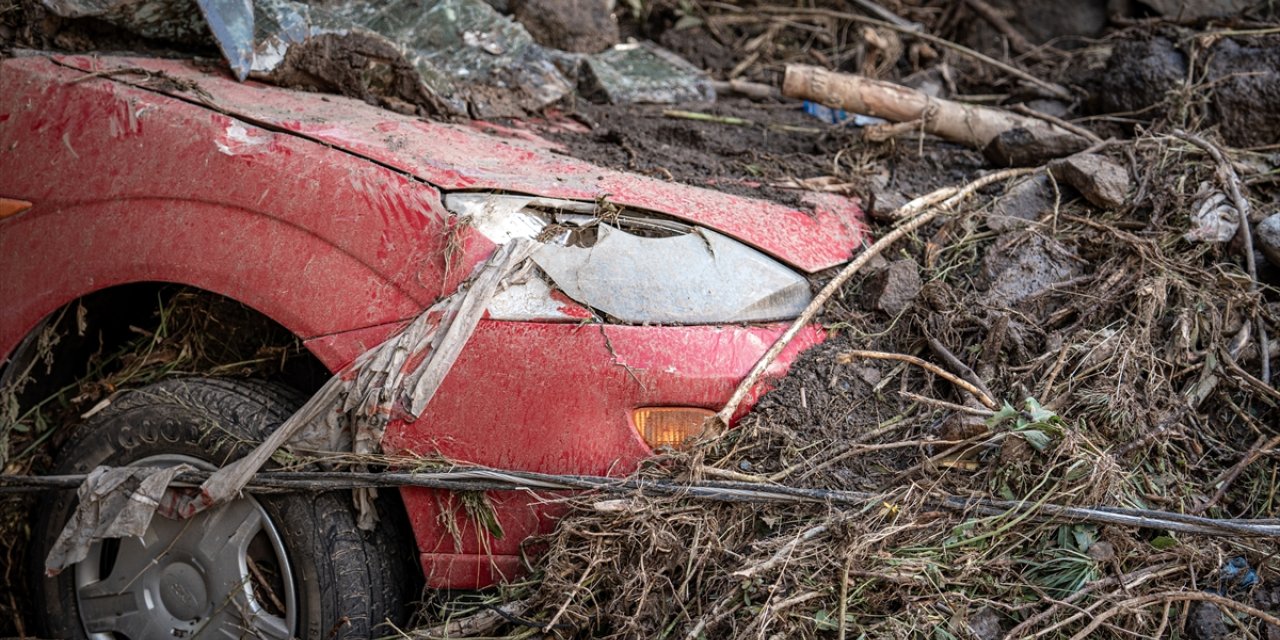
(643, 307)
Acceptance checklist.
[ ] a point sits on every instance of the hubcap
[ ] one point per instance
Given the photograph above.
(222, 573)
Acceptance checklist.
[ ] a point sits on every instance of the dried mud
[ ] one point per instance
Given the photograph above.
(1150, 76)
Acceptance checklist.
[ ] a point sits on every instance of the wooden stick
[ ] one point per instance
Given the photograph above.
(753, 90)
(958, 366)
(1253, 454)
(1056, 90)
(969, 124)
(987, 401)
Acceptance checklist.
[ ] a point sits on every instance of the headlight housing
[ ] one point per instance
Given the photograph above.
(637, 268)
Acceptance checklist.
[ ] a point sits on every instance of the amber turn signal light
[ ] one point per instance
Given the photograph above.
(670, 426)
(10, 207)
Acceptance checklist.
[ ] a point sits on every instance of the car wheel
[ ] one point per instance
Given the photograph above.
(267, 566)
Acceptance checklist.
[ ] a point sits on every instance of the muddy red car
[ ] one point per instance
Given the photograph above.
(340, 222)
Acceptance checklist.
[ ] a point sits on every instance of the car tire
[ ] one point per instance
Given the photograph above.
(327, 578)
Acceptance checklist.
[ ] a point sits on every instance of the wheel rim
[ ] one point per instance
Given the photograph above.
(222, 573)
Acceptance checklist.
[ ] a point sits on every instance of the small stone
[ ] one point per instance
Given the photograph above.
(1021, 204)
(1015, 451)
(885, 201)
(1019, 147)
(985, 624)
(893, 288)
(578, 26)
(1100, 179)
(1102, 551)
(1268, 235)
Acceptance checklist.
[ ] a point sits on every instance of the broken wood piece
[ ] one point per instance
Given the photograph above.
(753, 90)
(969, 124)
(706, 117)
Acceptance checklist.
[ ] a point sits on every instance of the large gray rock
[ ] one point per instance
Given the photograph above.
(1267, 233)
(1098, 178)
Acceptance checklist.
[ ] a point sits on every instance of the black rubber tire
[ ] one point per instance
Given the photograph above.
(348, 581)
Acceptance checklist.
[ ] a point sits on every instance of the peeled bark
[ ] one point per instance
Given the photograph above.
(968, 124)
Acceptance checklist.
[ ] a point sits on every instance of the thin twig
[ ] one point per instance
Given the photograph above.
(1129, 579)
(929, 209)
(943, 404)
(1017, 41)
(987, 401)
(844, 596)
(959, 366)
(782, 553)
(1055, 120)
(1253, 454)
(1174, 596)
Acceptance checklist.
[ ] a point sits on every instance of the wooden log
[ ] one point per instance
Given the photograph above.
(968, 124)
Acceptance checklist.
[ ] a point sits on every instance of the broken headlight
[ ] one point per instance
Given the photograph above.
(632, 267)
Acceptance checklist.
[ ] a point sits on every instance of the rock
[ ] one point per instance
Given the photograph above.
(1197, 9)
(1101, 180)
(1206, 622)
(1014, 451)
(1021, 148)
(579, 26)
(1246, 88)
(1047, 20)
(1102, 551)
(1021, 204)
(985, 624)
(1055, 108)
(1138, 75)
(930, 82)
(1267, 233)
(884, 202)
(893, 288)
(1025, 265)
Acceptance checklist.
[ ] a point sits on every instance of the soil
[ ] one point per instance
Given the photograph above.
(1147, 76)
(777, 144)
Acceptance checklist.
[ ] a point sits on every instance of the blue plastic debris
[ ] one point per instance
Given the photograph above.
(839, 116)
(1236, 574)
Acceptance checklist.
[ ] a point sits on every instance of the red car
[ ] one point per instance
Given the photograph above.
(340, 222)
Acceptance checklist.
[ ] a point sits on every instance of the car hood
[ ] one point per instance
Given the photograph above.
(479, 156)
